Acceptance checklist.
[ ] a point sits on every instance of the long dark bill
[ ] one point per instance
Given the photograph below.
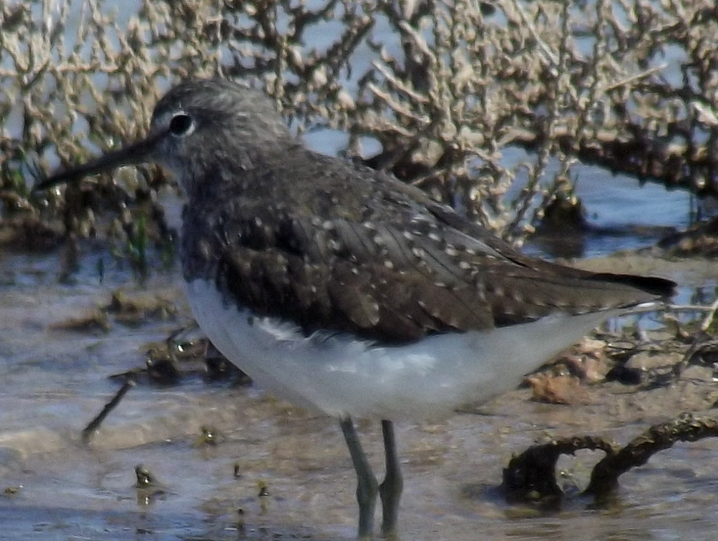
(133, 154)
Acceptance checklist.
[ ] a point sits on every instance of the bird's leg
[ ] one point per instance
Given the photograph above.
(393, 484)
(367, 486)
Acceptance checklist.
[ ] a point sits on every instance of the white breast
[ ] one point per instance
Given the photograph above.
(339, 375)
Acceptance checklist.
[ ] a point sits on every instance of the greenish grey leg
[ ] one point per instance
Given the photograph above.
(393, 484)
(367, 486)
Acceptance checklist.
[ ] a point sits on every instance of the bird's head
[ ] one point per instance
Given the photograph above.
(195, 126)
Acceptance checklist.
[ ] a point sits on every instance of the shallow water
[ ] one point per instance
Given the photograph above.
(53, 381)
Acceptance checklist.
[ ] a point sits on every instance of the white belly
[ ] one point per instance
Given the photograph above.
(338, 375)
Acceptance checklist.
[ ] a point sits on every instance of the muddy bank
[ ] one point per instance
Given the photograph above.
(55, 379)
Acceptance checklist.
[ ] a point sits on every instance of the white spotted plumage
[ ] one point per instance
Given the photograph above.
(340, 375)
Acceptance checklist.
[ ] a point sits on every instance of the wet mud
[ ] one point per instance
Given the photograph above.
(229, 461)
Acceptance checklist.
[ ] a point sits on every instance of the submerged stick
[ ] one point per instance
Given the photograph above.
(531, 476)
(92, 427)
(605, 474)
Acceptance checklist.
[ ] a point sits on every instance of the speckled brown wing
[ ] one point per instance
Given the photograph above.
(349, 249)
(651, 285)
(345, 293)
(382, 282)
(460, 231)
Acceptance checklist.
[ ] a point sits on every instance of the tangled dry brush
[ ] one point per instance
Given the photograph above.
(441, 93)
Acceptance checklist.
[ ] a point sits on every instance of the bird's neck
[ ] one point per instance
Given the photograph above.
(251, 170)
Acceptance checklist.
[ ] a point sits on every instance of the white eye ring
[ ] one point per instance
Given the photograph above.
(181, 125)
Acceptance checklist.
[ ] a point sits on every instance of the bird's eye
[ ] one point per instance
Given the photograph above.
(181, 125)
